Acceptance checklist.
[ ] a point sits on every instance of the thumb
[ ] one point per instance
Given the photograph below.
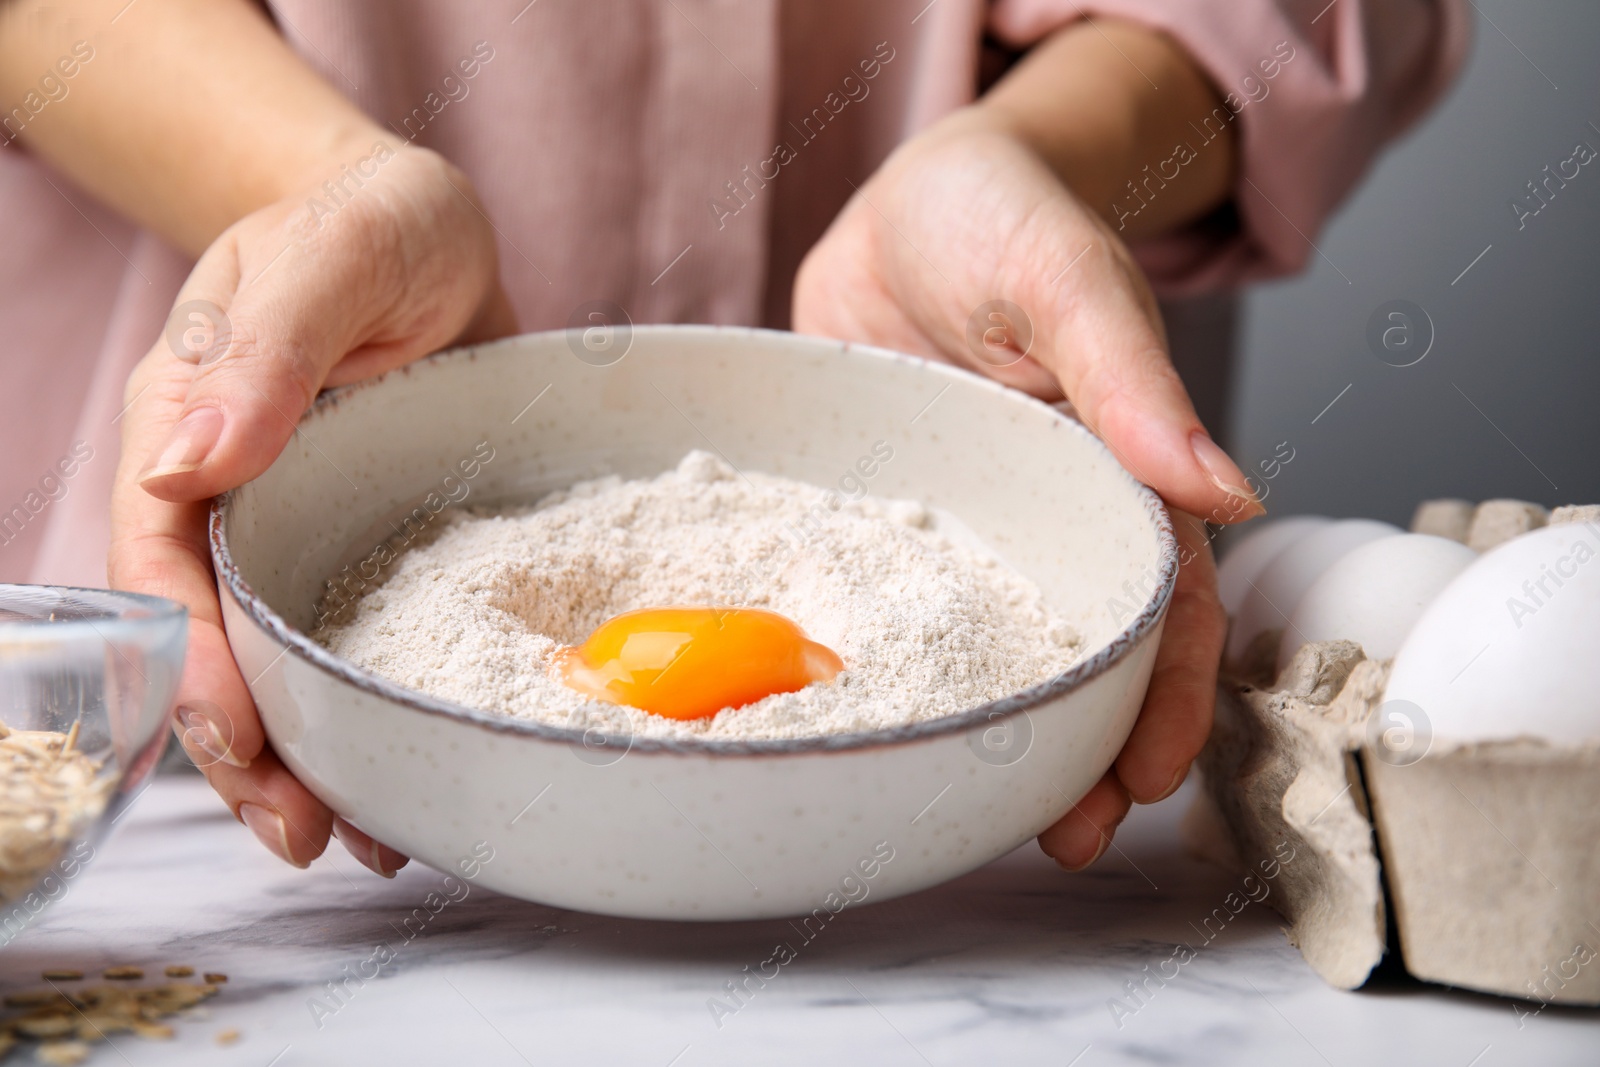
(1104, 342)
(271, 326)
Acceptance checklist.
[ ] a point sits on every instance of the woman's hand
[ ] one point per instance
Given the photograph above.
(397, 261)
(402, 266)
(976, 211)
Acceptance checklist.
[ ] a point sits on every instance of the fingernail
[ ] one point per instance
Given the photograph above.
(202, 731)
(271, 829)
(1105, 843)
(1225, 474)
(366, 851)
(1172, 787)
(187, 448)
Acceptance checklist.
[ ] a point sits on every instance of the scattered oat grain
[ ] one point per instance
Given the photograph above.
(54, 1024)
(153, 1031)
(94, 1013)
(62, 1053)
(33, 998)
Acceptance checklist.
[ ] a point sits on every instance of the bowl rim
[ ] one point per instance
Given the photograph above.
(1148, 617)
(157, 611)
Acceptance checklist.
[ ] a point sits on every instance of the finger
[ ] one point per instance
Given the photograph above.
(1102, 336)
(1083, 834)
(288, 327)
(159, 548)
(350, 286)
(1086, 314)
(495, 319)
(1176, 718)
(215, 716)
(839, 293)
(1029, 376)
(380, 859)
(282, 813)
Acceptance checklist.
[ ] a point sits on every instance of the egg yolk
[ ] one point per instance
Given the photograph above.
(690, 663)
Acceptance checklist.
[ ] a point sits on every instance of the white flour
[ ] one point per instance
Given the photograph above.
(926, 626)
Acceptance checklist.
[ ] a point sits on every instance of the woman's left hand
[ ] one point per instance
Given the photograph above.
(968, 214)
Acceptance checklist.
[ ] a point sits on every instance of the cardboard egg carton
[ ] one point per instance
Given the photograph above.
(1483, 854)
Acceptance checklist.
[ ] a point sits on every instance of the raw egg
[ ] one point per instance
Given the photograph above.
(691, 662)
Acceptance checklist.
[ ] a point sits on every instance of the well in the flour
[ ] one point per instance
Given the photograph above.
(926, 624)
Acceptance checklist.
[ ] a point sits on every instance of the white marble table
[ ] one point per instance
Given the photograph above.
(1014, 964)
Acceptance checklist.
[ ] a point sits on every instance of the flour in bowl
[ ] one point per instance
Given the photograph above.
(927, 625)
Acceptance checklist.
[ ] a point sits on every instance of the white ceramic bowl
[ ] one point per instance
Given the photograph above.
(684, 829)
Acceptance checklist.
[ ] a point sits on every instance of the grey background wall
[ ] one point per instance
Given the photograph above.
(1507, 401)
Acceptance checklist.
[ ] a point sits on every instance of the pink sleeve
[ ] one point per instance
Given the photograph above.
(1315, 92)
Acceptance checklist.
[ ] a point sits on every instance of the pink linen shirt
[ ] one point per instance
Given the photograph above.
(678, 159)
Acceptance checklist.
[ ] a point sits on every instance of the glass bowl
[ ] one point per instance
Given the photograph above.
(87, 677)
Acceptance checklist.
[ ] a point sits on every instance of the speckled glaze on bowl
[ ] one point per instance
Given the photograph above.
(672, 829)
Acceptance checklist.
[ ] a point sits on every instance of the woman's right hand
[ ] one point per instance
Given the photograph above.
(313, 297)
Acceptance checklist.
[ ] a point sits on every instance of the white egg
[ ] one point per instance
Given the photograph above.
(1511, 647)
(1276, 591)
(1249, 556)
(1374, 594)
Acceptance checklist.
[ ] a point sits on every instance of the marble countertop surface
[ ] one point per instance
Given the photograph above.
(1017, 963)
